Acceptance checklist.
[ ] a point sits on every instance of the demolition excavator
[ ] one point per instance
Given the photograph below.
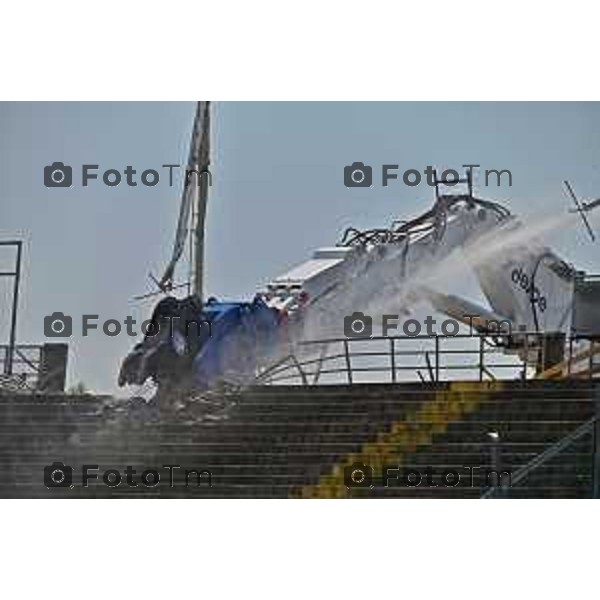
(526, 284)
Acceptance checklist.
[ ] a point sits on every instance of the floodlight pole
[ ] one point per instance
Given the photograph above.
(8, 363)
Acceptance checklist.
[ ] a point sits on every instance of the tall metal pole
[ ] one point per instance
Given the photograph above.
(192, 212)
(8, 365)
(203, 182)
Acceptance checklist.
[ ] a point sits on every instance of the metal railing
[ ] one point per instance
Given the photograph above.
(397, 358)
(425, 358)
(579, 362)
(556, 449)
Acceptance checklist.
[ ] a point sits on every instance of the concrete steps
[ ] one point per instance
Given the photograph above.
(284, 441)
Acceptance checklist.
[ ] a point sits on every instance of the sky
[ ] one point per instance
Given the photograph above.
(278, 193)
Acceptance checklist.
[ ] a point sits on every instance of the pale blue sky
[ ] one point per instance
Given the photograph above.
(277, 192)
